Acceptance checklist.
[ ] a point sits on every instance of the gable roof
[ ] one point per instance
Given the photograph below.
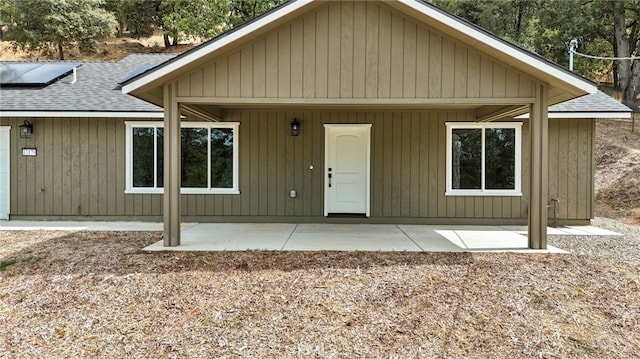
(565, 83)
(597, 105)
(597, 102)
(95, 93)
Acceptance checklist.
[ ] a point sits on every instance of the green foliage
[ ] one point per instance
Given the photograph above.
(245, 10)
(195, 19)
(64, 24)
(560, 21)
(542, 26)
(6, 264)
(140, 17)
(6, 12)
(205, 19)
(505, 18)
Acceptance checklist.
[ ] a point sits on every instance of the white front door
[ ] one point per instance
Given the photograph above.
(347, 149)
(4, 172)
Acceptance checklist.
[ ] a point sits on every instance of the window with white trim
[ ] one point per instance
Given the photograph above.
(484, 159)
(209, 157)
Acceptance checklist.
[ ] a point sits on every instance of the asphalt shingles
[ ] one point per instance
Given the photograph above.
(96, 89)
(597, 102)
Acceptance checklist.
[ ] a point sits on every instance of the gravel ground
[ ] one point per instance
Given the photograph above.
(625, 247)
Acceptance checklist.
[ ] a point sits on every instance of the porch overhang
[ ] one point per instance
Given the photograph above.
(546, 84)
(484, 109)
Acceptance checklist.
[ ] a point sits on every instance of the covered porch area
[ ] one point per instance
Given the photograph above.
(423, 71)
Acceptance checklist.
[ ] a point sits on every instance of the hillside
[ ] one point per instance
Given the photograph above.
(617, 170)
(112, 49)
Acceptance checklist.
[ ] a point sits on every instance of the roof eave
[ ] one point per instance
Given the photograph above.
(83, 114)
(585, 114)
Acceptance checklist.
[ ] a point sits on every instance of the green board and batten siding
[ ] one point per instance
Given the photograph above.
(354, 50)
(79, 170)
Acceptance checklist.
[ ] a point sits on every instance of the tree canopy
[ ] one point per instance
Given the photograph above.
(61, 24)
(140, 17)
(604, 28)
(204, 19)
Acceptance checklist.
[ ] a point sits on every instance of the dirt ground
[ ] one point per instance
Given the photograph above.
(97, 294)
(617, 175)
(109, 50)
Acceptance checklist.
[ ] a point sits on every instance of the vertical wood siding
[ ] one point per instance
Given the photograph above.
(355, 50)
(571, 167)
(80, 169)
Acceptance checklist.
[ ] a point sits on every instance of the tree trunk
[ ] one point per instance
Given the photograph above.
(630, 96)
(120, 32)
(60, 51)
(622, 44)
(167, 43)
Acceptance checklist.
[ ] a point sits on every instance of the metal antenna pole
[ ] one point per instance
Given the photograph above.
(573, 45)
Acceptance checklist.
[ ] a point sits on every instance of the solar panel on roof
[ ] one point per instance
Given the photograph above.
(25, 74)
(139, 70)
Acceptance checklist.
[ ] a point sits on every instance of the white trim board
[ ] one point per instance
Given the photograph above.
(91, 114)
(5, 159)
(582, 115)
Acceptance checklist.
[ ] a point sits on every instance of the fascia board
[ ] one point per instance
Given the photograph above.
(91, 114)
(582, 115)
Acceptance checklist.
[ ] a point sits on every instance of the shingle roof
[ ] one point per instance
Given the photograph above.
(96, 89)
(597, 102)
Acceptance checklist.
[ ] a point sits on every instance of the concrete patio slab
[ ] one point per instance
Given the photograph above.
(468, 238)
(231, 237)
(350, 237)
(333, 237)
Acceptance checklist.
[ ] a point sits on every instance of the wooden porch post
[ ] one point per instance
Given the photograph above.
(539, 169)
(171, 198)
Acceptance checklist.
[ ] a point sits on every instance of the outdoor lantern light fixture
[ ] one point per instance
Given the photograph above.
(26, 129)
(295, 127)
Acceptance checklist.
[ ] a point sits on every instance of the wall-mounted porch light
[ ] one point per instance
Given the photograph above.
(295, 127)
(26, 129)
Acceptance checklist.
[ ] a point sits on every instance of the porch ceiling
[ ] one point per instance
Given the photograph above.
(215, 112)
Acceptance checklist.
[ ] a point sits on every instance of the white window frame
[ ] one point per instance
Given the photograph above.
(235, 126)
(517, 191)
